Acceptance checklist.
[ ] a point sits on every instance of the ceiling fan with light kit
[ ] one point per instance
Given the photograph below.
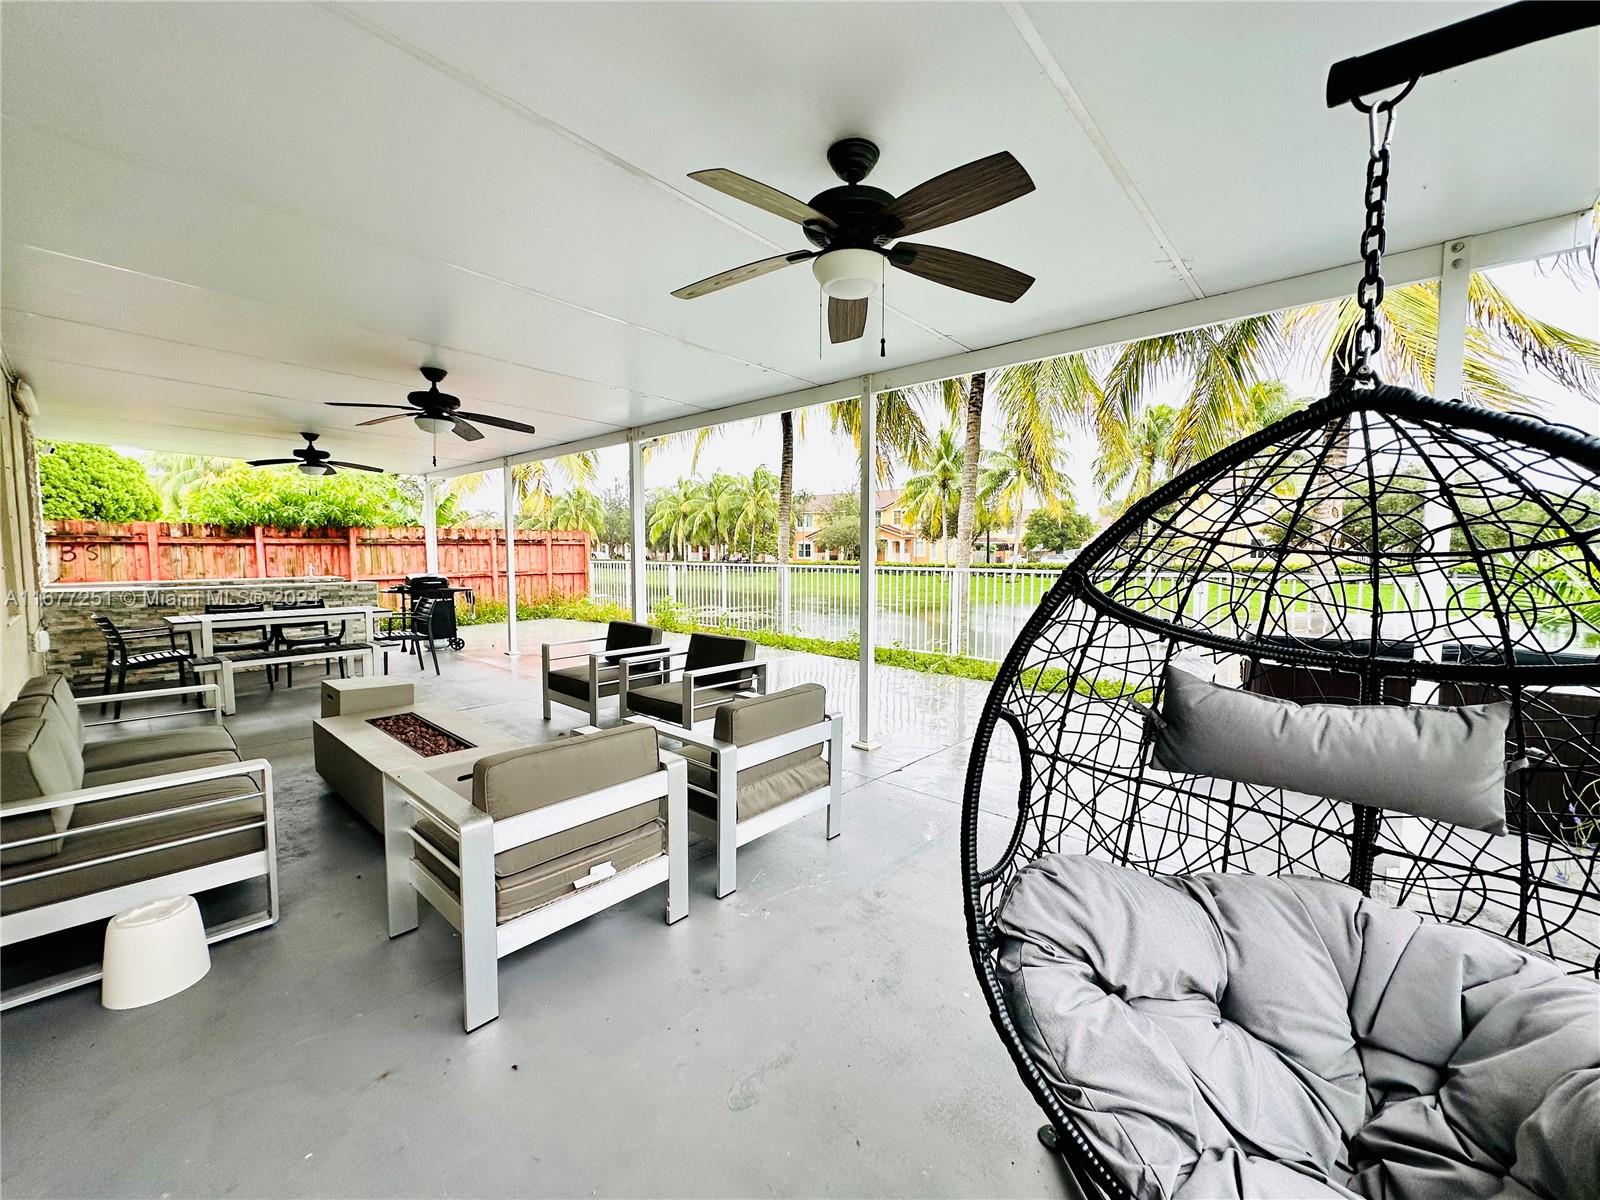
(853, 227)
(437, 412)
(312, 461)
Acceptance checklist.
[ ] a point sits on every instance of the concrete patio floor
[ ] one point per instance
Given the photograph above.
(819, 1032)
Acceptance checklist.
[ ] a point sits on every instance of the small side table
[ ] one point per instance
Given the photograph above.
(345, 697)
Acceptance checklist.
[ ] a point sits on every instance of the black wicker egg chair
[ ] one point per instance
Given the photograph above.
(1378, 548)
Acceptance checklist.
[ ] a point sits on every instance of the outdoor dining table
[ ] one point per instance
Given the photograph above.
(207, 624)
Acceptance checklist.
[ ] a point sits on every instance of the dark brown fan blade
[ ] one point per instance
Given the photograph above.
(847, 320)
(270, 462)
(956, 195)
(754, 270)
(966, 272)
(467, 433)
(498, 422)
(334, 462)
(352, 404)
(751, 191)
(399, 416)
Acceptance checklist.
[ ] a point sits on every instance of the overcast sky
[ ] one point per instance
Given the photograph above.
(822, 465)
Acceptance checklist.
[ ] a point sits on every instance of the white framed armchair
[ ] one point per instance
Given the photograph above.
(767, 761)
(581, 672)
(532, 841)
(684, 687)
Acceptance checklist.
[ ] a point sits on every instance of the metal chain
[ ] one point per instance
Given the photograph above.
(1374, 239)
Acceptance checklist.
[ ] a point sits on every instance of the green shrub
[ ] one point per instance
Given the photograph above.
(570, 608)
(674, 619)
(79, 481)
(286, 498)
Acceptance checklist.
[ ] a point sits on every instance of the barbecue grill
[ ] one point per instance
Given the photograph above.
(420, 587)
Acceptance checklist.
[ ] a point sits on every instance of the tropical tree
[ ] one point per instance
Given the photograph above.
(758, 508)
(284, 498)
(79, 481)
(533, 484)
(578, 509)
(178, 476)
(714, 511)
(1058, 532)
(933, 494)
(1142, 459)
(1224, 365)
(672, 516)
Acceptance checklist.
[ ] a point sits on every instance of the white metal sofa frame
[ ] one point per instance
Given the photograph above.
(96, 906)
(727, 760)
(414, 792)
(752, 677)
(604, 671)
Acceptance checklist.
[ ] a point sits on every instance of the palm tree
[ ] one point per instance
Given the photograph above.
(672, 515)
(899, 432)
(713, 511)
(1143, 457)
(179, 476)
(578, 508)
(758, 507)
(933, 495)
(1224, 364)
(533, 484)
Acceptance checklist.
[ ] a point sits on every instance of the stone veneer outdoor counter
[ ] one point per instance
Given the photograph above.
(78, 651)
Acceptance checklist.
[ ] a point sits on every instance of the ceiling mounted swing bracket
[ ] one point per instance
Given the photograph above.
(1468, 41)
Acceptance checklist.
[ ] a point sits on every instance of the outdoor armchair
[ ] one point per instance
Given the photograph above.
(687, 686)
(533, 840)
(768, 761)
(89, 828)
(581, 672)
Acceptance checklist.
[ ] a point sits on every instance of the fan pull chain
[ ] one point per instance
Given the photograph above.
(822, 304)
(883, 308)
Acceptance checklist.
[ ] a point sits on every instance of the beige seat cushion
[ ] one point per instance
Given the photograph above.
(532, 777)
(756, 719)
(230, 822)
(58, 691)
(128, 772)
(154, 747)
(36, 760)
(515, 895)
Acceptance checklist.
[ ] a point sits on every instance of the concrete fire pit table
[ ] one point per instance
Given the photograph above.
(354, 756)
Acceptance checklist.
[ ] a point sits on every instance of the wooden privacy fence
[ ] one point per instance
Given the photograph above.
(548, 563)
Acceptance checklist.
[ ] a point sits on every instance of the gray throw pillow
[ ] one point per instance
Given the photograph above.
(1445, 763)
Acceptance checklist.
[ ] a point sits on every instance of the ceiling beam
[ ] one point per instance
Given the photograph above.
(1520, 243)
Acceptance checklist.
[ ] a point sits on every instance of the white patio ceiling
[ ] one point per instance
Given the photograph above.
(218, 216)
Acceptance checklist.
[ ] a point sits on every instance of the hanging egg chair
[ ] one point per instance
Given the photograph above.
(1380, 550)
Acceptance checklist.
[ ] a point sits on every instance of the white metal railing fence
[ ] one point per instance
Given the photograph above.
(919, 608)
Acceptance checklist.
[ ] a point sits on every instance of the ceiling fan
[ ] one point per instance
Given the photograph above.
(312, 461)
(852, 227)
(437, 412)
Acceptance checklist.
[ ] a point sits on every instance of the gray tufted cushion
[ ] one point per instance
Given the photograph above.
(1235, 1035)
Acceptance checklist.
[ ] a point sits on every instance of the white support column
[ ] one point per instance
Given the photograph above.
(1450, 348)
(637, 545)
(430, 527)
(869, 565)
(510, 501)
(1455, 274)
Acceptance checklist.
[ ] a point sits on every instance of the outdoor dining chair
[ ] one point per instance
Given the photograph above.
(413, 630)
(123, 655)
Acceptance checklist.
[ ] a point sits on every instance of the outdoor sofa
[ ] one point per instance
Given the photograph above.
(91, 826)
